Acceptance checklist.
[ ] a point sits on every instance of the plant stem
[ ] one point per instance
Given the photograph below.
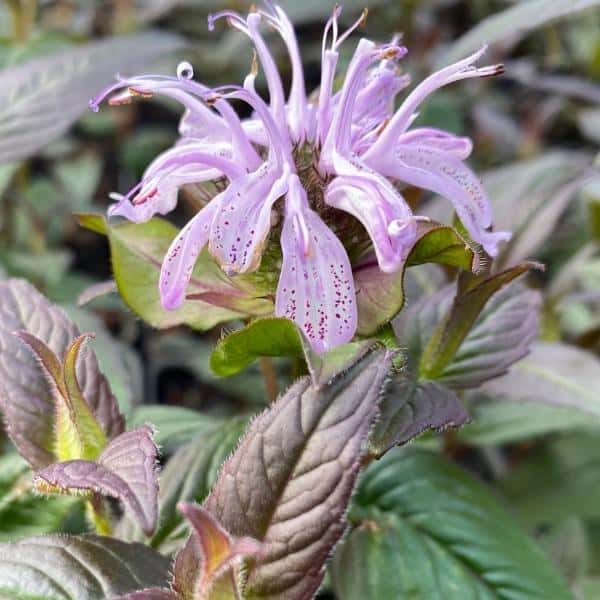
(96, 513)
(270, 378)
(23, 14)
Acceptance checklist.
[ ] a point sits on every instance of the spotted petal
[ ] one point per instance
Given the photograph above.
(187, 162)
(461, 147)
(243, 219)
(315, 289)
(385, 216)
(181, 257)
(443, 173)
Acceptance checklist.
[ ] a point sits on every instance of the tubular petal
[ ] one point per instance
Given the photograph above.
(178, 264)
(461, 147)
(242, 222)
(390, 224)
(316, 288)
(443, 173)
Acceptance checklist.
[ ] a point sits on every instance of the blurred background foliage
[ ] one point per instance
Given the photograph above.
(536, 132)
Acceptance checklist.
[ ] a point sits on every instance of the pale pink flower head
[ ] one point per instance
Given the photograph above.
(360, 150)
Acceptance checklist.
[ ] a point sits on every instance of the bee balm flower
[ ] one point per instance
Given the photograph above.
(358, 147)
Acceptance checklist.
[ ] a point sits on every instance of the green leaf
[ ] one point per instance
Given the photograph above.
(380, 296)
(454, 327)
(502, 420)
(77, 568)
(42, 97)
(409, 408)
(324, 367)
(426, 529)
(561, 479)
(272, 336)
(22, 512)
(78, 179)
(137, 252)
(567, 546)
(27, 401)
(512, 24)
(173, 425)
(290, 479)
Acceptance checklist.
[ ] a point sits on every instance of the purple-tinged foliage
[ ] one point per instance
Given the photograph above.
(84, 451)
(26, 398)
(501, 336)
(83, 567)
(472, 295)
(289, 482)
(207, 566)
(343, 150)
(126, 470)
(77, 432)
(409, 408)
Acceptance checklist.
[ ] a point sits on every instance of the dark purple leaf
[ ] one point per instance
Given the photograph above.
(289, 482)
(472, 295)
(25, 396)
(125, 470)
(502, 335)
(86, 567)
(409, 408)
(132, 456)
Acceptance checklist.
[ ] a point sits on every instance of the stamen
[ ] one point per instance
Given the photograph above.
(331, 23)
(143, 198)
(358, 23)
(233, 20)
(251, 77)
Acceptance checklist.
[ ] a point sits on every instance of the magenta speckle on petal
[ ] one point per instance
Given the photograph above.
(354, 145)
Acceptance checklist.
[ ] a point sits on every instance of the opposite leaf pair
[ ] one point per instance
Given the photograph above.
(63, 418)
(208, 566)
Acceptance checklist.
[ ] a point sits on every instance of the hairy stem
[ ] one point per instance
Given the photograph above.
(97, 515)
(270, 378)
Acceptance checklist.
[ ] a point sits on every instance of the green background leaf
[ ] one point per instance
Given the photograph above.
(424, 528)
